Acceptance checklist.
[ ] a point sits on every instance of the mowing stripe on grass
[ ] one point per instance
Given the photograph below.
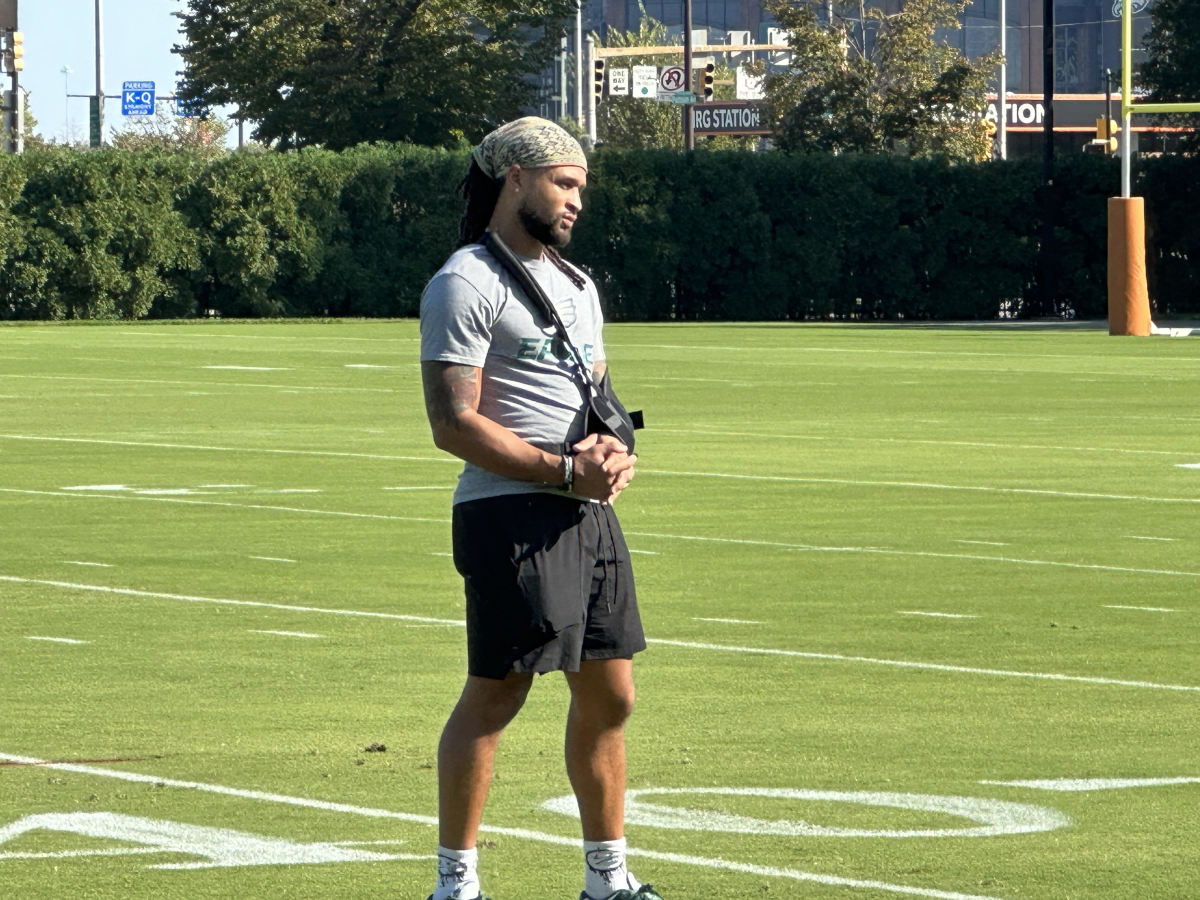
(935, 667)
(691, 645)
(527, 834)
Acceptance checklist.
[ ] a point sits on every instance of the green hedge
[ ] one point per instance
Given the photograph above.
(708, 235)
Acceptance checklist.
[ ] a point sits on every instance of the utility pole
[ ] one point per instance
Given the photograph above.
(579, 63)
(14, 99)
(98, 112)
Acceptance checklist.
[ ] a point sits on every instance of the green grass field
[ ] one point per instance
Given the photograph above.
(922, 605)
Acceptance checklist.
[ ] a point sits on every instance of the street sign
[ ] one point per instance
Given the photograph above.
(137, 98)
(93, 121)
(618, 82)
(682, 97)
(749, 87)
(645, 82)
(728, 118)
(672, 79)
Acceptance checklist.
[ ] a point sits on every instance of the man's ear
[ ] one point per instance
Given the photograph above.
(513, 176)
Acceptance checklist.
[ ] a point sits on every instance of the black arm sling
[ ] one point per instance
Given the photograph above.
(605, 413)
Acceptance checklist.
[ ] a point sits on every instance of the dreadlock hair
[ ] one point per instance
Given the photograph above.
(481, 193)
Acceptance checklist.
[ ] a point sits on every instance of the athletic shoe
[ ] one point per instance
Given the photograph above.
(645, 892)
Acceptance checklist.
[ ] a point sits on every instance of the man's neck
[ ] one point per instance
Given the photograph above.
(517, 238)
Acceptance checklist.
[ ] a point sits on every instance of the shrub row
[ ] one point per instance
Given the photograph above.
(700, 236)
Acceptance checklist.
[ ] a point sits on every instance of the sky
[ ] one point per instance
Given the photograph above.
(138, 36)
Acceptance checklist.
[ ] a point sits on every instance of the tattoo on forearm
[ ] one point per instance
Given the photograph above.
(452, 391)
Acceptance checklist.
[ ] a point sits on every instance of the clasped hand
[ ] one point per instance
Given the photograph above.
(603, 467)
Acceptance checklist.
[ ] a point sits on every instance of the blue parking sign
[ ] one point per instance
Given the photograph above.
(137, 98)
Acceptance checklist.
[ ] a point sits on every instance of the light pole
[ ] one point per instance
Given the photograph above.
(66, 72)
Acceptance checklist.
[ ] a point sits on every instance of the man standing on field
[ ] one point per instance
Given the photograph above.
(549, 585)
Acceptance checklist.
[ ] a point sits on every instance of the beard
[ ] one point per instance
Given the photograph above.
(550, 232)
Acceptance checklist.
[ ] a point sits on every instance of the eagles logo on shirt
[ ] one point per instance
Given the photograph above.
(566, 310)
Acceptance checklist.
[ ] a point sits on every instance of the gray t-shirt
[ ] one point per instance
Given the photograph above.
(472, 314)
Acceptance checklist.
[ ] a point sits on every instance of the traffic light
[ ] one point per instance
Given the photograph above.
(14, 53)
(706, 81)
(1106, 132)
(598, 78)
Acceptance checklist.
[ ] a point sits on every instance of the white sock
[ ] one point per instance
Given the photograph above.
(457, 875)
(605, 871)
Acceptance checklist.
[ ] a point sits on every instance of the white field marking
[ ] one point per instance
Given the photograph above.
(926, 485)
(295, 634)
(1142, 537)
(170, 492)
(523, 833)
(98, 487)
(366, 366)
(262, 506)
(227, 486)
(933, 667)
(278, 559)
(1158, 609)
(728, 621)
(249, 368)
(289, 491)
(155, 595)
(447, 555)
(75, 854)
(219, 449)
(80, 562)
(138, 332)
(993, 817)
(422, 487)
(218, 847)
(691, 645)
(1188, 466)
(935, 615)
(224, 385)
(983, 543)
(883, 551)
(644, 552)
(55, 640)
(744, 542)
(981, 445)
(1093, 784)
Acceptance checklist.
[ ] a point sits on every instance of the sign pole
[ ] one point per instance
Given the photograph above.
(689, 137)
(1002, 134)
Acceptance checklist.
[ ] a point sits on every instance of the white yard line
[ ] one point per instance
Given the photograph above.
(1157, 609)
(55, 640)
(222, 449)
(935, 667)
(689, 645)
(278, 559)
(295, 634)
(220, 601)
(935, 615)
(521, 833)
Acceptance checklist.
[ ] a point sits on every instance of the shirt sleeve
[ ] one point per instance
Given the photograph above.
(456, 322)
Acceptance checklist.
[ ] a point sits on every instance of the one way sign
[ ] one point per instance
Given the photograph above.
(137, 98)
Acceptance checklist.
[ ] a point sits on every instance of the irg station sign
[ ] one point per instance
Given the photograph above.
(742, 117)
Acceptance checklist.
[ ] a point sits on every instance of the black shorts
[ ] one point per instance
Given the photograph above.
(548, 582)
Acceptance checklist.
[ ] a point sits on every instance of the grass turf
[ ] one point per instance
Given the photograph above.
(872, 562)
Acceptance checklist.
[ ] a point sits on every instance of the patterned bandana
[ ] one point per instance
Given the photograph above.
(530, 143)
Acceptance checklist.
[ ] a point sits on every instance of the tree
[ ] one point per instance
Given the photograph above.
(203, 136)
(1172, 72)
(341, 72)
(632, 122)
(867, 81)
